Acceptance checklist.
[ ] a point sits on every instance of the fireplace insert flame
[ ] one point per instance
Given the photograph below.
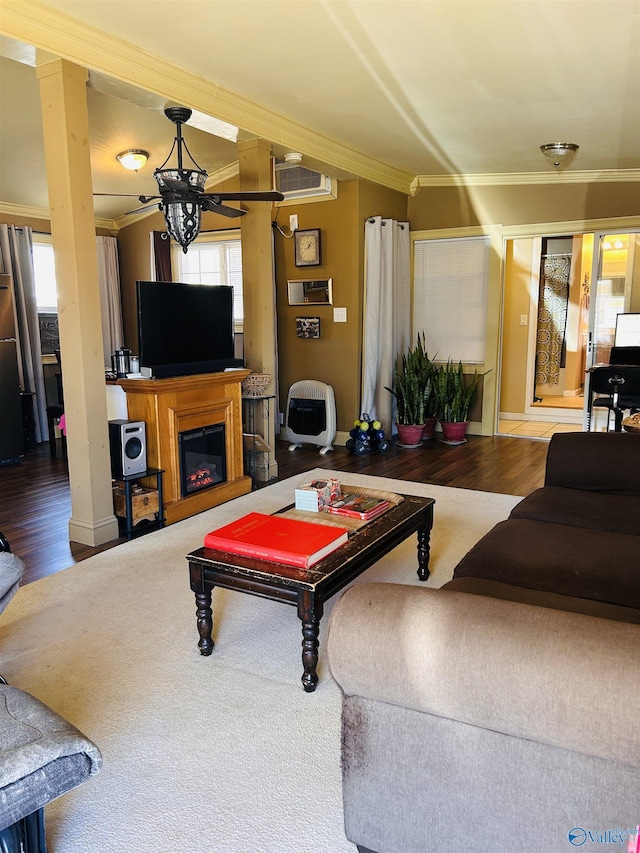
(202, 458)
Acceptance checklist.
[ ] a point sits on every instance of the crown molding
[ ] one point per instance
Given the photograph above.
(58, 34)
(24, 211)
(226, 173)
(521, 178)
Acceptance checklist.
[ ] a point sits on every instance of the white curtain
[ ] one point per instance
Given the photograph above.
(387, 313)
(110, 304)
(16, 258)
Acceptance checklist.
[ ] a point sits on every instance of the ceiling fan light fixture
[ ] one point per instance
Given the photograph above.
(181, 191)
(183, 220)
(133, 159)
(559, 154)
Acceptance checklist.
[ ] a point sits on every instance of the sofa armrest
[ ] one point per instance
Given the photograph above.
(595, 461)
(562, 679)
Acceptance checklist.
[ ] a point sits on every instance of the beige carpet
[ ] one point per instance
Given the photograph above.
(225, 754)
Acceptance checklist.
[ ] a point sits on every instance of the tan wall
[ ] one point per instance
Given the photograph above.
(514, 336)
(42, 226)
(453, 207)
(336, 357)
(133, 257)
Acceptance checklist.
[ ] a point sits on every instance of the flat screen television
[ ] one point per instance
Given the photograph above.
(185, 329)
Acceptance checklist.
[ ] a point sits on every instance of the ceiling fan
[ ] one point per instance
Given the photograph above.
(181, 190)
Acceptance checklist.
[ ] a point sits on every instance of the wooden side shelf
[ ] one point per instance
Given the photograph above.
(171, 406)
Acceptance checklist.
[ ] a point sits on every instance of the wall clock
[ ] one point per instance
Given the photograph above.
(307, 247)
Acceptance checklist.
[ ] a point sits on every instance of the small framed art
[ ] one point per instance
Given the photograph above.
(307, 247)
(308, 327)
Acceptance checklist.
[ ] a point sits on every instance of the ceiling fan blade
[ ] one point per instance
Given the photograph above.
(270, 195)
(223, 209)
(154, 206)
(123, 195)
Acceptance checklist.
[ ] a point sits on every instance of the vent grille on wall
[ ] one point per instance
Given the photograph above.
(298, 182)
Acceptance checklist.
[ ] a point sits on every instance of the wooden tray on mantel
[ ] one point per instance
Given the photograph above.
(335, 520)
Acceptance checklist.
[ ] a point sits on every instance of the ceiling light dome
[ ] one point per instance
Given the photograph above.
(559, 154)
(133, 159)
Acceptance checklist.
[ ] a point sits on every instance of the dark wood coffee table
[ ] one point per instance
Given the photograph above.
(308, 589)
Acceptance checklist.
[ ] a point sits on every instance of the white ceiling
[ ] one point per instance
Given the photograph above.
(428, 87)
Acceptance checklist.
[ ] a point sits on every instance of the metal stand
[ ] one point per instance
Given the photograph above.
(128, 482)
(256, 417)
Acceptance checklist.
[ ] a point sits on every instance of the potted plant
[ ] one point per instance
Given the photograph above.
(413, 390)
(426, 370)
(455, 396)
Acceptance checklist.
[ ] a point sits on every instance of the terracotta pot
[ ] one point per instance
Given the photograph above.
(410, 434)
(453, 432)
(429, 428)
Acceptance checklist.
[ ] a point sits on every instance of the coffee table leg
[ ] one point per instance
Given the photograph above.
(204, 616)
(310, 613)
(424, 550)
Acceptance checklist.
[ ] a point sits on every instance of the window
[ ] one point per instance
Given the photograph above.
(451, 281)
(214, 258)
(44, 272)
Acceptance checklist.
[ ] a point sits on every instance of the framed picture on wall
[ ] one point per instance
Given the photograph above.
(308, 327)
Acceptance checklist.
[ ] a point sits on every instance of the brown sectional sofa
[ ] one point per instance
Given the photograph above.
(507, 719)
(573, 544)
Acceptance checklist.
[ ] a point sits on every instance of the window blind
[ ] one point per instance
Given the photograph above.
(450, 289)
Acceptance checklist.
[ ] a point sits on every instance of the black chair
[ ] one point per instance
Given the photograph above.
(624, 355)
(47, 756)
(55, 412)
(615, 388)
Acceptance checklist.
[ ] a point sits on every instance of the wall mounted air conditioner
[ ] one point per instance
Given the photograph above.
(295, 181)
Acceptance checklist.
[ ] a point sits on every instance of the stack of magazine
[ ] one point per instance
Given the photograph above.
(364, 507)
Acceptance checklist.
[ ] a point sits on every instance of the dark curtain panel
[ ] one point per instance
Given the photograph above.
(161, 256)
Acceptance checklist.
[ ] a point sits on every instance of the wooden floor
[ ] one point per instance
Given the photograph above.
(35, 502)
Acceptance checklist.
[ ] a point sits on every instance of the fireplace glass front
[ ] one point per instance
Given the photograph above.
(203, 461)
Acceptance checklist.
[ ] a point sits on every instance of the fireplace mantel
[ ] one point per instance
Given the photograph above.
(171, 406)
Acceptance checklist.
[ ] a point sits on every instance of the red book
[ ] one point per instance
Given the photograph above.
(272, 537)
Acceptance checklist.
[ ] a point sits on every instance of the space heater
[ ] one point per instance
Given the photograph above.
(311, 415)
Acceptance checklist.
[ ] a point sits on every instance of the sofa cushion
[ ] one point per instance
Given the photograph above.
(558, 558)
(596, 510)
(570, 603)
(595, 461)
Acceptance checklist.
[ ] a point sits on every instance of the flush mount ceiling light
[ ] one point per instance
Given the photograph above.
(133, 159)
(559, 154)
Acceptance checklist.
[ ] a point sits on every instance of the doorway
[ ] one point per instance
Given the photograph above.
(561, 298)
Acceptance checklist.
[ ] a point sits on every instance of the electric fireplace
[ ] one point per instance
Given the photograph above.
(203, 461)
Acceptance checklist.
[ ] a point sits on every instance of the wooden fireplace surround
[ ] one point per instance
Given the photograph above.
(171, 406)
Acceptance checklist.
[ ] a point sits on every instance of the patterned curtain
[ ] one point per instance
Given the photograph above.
(552, 317)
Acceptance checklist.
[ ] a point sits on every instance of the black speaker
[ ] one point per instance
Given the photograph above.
(128, 444)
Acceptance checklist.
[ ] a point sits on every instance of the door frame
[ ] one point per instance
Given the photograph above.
(596, 267)
(623, 225)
